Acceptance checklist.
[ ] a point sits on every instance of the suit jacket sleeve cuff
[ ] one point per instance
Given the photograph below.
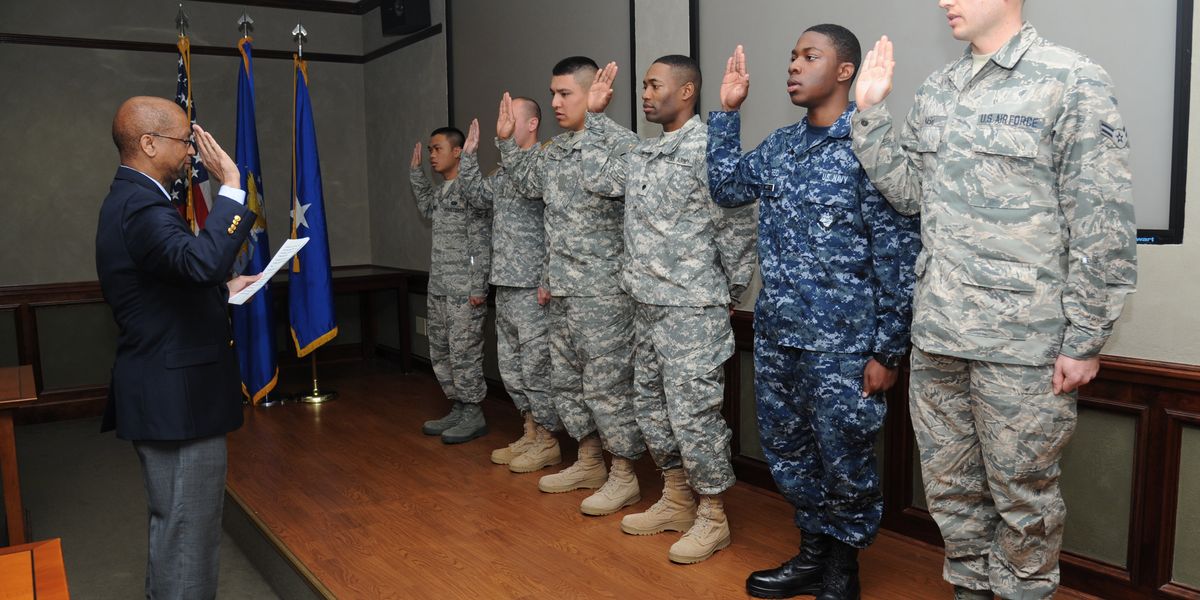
(233, 193)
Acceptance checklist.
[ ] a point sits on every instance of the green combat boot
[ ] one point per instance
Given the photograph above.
(469, 426)
(437, 426)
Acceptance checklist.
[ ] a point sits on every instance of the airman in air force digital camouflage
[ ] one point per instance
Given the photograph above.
(458, 287)
(686, 261)
(518, 258)
(832, 320)
(591, 318)
(1017, 160)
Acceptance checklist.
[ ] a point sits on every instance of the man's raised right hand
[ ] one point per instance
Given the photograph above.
(875, 78)
(506, 123)
(416, 157)
(601, 92)
(472, 143)
(735, 86)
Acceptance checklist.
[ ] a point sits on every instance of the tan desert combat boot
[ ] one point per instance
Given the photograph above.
(587, 472)
(505, 455)
(619, 491)
(709, 534)
(675, 511)
(542, 452)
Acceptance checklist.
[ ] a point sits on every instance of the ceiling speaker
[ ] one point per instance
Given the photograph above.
(402, 17)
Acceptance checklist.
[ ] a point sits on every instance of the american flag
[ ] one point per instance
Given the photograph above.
(191, 200)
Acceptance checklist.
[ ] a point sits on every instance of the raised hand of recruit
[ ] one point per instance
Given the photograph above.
(416, 157)
(506, 123)
(240, 282)
(472, 143)
(875, 78)
(601, 92)
(220, 166)
(735, 86)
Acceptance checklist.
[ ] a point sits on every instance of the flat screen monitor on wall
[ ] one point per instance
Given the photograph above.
(1145, 46)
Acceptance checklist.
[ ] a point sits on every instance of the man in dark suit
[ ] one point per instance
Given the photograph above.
(175, 388)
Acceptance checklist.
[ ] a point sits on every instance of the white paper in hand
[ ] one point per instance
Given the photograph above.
(281, 258)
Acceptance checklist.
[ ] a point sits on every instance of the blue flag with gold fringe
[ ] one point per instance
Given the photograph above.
(310, 282)
(253, 327)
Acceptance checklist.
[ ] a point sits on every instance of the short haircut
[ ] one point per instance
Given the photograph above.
(684, 67)
(576, 65)
(844, 42)
(535, 108)
(453, 135)
(138, 116)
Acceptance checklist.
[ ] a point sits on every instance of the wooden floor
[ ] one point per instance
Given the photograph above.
(370, 508)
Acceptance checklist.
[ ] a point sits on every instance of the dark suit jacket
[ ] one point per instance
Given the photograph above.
(176, 373)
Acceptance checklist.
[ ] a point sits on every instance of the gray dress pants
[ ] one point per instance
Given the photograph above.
(185, 491)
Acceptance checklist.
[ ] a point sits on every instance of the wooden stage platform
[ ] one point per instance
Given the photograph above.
(365, 506)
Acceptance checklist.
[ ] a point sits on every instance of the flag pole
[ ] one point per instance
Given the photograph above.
(246, 25)
(317, 395)
(182, 22)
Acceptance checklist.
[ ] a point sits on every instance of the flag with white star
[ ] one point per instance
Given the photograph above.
(190, 195)
(310, 282)
(253, 327)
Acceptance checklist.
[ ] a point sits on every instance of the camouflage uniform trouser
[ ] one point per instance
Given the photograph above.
(591, 358)
(523, 353)
(679, 376)
(990, 437)
(818, 434)
(455, 330)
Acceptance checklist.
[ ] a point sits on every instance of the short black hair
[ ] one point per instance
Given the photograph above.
(453, 135)
(572, 65)
(685, 67)
(537, 108)
(844, 42)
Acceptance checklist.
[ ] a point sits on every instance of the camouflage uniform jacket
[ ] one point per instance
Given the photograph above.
(1021, 176)
(680, 248)
(583, 230)
(836, 261)
(518, 235)
(462, 238)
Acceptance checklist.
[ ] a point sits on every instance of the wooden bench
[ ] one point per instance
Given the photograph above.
(30, 571)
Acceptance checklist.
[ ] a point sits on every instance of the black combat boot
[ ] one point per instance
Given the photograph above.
(841, 574)
(801, 575)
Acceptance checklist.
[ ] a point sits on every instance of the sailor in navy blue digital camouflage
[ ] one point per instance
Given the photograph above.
(1017, 159)
(458, 286)
(832, 320)
(686, 261)
(591, 317)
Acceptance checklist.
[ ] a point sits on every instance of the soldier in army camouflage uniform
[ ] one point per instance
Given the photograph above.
(591, 318)
(832, 321)
(1016, 157)
(457, 296)
(686, 261)
(518, 256)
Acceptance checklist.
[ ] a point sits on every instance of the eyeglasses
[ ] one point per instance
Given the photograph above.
(188, 142)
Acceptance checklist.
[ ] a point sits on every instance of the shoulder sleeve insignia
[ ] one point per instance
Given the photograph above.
(1116, 135)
